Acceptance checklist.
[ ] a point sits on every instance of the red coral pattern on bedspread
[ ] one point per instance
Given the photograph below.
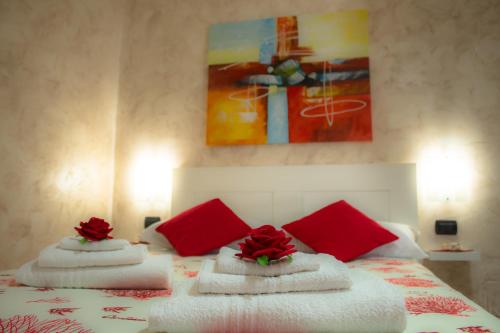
(390, 270)
(43, 289)
(191, 274)
(31, 324)
(138, 294)
(10, 282)
(123, 318)
(437, 304)
(382, 261)
(115, 309)
(62, 311)
(55, 300)
(412, 282)
(475, 329)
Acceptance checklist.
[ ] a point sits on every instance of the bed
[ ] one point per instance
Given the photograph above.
(431, 304)
(260, 195)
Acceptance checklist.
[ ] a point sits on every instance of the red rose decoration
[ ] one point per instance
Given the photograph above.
(266, 244)
(95, 229)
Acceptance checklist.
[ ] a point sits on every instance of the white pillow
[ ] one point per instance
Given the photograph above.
(404, 247)
(154, 238)
(404, 228)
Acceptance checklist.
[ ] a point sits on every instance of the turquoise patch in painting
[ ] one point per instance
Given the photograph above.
(247, 34)
(269, 45)
(277, 115)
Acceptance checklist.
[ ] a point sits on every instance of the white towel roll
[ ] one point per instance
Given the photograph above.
(227, 263)
(53, 256)
(73, 243)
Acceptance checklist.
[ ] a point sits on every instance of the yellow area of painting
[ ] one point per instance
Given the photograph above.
(334, 35)
(237, 120)
(228, 56)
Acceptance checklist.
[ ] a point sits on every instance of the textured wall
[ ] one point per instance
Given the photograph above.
(435, 75)
(59, 63)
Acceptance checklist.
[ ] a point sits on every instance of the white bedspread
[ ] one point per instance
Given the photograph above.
(226, 262)
(371, 305)
(53, 256)
(154, 273)
(331, 275)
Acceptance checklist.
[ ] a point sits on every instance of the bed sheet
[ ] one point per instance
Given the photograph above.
(432, 305)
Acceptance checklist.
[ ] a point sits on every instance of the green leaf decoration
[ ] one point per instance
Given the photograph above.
(290, 258)
(83, 240)
(263, 260)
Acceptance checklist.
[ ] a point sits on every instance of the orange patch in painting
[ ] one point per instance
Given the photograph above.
(237, 115)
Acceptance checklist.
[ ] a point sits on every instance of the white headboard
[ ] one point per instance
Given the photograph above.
(281, 194)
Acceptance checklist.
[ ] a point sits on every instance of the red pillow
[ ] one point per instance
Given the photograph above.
(203, 228)
(340, 230)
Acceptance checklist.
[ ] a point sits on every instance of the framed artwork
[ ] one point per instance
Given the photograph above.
(291, 79)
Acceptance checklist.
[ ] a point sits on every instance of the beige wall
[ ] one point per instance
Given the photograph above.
(59, 63)
(435, 75)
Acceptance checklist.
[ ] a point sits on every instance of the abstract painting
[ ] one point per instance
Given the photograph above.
(291, 79)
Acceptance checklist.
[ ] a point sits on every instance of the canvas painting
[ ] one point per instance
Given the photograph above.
(292, 79)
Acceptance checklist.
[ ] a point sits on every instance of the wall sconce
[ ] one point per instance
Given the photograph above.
(151, 178)
(445, 173)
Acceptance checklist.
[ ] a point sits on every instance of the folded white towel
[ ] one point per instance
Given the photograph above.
(227, 263)
(371, 305)
(53, 256)
(332, 274)
(154, 273)
(73, 243)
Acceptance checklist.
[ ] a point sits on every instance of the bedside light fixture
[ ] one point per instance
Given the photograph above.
(445, 173)
(151, 177)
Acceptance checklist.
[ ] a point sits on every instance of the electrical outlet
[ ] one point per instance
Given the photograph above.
(148, 220)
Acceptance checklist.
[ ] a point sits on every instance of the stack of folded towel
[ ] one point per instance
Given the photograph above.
(307, 272)
(313, 293)
(109, 263)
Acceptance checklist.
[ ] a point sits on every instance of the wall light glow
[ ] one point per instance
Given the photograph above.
(151, 177)
(445, 173)
(79, 176)
(70, 179)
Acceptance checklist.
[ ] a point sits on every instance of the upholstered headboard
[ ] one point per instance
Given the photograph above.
(280, 194)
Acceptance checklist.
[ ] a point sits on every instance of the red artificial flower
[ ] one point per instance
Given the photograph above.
(266, 244)
(95, 229)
